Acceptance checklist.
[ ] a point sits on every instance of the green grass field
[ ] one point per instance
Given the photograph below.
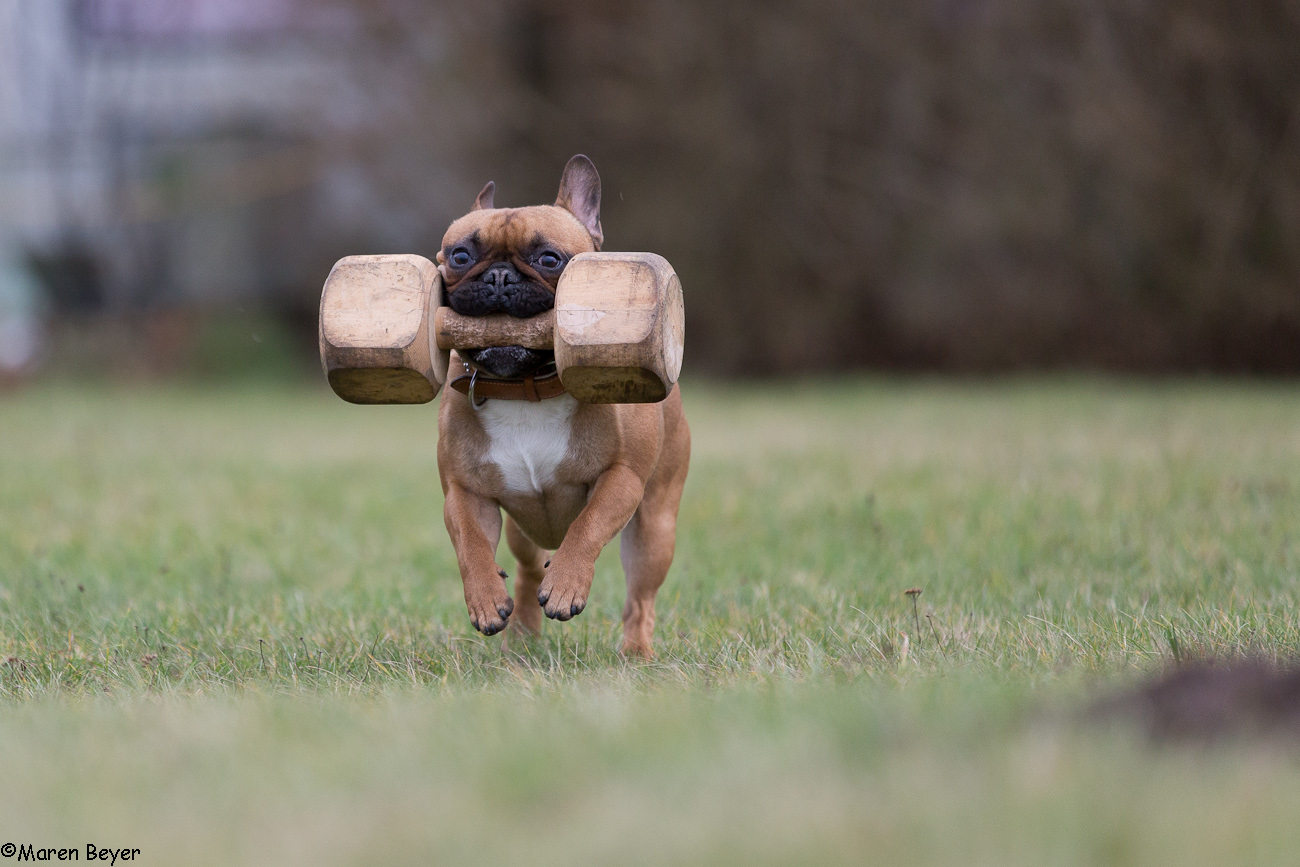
(232, 632)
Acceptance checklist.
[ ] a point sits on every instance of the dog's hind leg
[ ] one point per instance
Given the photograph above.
(531, 569)
(650, 538)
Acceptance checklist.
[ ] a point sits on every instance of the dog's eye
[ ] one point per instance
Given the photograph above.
(460, 258)
(550, 260)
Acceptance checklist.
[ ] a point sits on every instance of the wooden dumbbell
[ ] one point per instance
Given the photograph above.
(617, 330)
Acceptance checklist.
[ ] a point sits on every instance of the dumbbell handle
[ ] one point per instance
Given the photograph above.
(499, 329)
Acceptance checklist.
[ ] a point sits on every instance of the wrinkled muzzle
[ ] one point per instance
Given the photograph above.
(501, 289)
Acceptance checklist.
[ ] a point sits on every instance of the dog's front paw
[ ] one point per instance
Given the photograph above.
(563, 592)
(489, 607)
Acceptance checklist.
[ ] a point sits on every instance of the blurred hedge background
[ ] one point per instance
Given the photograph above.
(952, 185)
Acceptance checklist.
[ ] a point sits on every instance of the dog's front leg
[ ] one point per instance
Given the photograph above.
(613, 500)
(474, 524)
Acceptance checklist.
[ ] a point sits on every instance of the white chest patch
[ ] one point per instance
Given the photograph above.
(528, 440)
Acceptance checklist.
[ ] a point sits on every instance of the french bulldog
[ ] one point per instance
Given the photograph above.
(568, 476)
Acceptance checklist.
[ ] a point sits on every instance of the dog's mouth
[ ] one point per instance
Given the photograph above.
(509, 362)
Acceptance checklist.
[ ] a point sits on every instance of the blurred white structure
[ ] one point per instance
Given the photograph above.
(22, 331)
(144, 136)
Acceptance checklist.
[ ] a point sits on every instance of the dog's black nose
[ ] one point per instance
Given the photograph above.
(501, 275)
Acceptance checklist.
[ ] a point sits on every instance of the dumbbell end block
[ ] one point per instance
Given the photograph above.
(619, 328)
(374, 334)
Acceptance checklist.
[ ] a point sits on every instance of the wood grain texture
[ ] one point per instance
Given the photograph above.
(454, 331)
(620, 327)
(375, 342)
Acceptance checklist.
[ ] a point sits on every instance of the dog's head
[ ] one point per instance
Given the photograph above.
(509, 260)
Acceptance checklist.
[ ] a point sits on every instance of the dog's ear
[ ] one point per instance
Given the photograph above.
(484, 200)
(580, 195)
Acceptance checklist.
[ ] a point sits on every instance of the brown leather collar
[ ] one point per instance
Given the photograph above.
(531, 388)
